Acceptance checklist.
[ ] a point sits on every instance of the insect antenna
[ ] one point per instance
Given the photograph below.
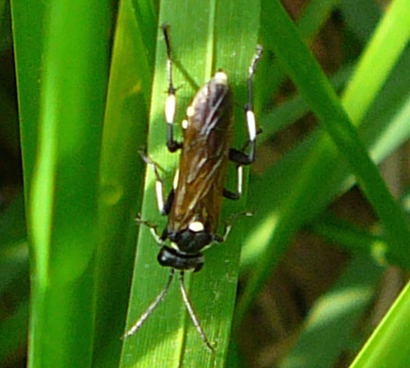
(192, 314)
(135, 327)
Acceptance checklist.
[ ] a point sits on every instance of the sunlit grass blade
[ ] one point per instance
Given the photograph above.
(388, 345)
(330, 325)
(282, 116)
(28, 56)
(221, 35)
(313, 16)
(62, 110)
(121, 175)
(315, 88)
(299, 189)
(344, 234)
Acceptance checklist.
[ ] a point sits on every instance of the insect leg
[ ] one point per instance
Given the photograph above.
(171, 101)
(229, 224)
(153, 228)
(230, 195)
(192, 314)
(240, 157)
(135, 327)
(163, 206)
(239, 186)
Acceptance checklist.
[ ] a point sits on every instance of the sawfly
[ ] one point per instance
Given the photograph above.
(194, 204)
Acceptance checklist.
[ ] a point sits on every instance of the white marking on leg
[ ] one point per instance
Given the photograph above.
(170, 106)
(155, 235)
(160, 199)
(250, 118)
(240, 179)
(176, 177)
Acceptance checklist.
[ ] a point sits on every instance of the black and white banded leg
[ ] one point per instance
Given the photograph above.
(228, 225)
(240, 157)
(164, 207)
(152, 227)
(171, 101)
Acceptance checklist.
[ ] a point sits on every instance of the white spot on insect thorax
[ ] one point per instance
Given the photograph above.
(196, 226)
(185, 124)
(190, 111)
(221, 77)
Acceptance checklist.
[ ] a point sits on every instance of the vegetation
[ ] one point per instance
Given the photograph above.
(90, 78)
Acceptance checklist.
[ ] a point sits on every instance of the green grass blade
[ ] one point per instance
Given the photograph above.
(61, 168)
(299, 191)
(219, 36)
(121, 175)
(388, 345)
(315, 88)
(313, 16)
(345, 234)
(282, 116)
(28, 48)
(361, 16)
(382, 53)
(329, 327)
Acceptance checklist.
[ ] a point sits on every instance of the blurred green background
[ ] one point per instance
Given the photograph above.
(316, 278)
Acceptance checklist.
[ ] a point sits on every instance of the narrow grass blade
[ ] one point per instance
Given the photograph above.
(313, 16)
(348, 236)
(361, 16)
(299, 189)
(121, 174)
(220, 35)
(315, 88)
(329, 327)
(388, 345)
(282, 116)
(28, 48)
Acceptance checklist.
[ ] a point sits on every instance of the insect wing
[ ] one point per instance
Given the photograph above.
(204, 158)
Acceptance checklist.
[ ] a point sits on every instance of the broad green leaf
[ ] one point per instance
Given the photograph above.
(62, 70)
